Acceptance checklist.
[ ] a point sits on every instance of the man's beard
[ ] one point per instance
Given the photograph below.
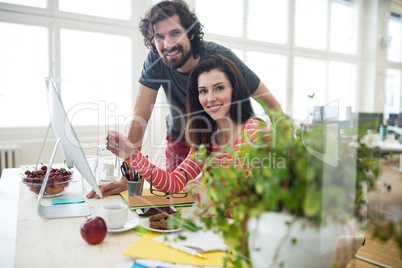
(177, 63)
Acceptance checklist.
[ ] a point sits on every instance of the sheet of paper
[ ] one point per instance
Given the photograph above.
(202, 241)
(146, 248)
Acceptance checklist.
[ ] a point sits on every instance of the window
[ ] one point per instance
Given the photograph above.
(24, 64)
(342, 83)
(31, 3)
(91, 64)
(272, 69)
(394, 51)
(95, 76)
(393, 94)
(343, 28)
(113, 9)
(322, 24)
(298, 48)
(393, 65)
(309, 85)
(267, 21)
(216, 21)
(311, 24)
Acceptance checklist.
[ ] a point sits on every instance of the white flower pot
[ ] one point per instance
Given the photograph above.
(314, 247)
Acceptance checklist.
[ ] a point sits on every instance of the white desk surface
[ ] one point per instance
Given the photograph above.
(9, 195)
(26, 240)
(389, 145)
(395, 129)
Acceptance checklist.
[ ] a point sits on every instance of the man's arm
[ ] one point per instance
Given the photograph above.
(144, 104)
(143, 107)
(263, 93)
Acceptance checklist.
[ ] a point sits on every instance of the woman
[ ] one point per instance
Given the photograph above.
(219, 111)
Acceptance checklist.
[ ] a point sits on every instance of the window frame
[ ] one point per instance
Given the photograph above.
(54, 20)
(291, 51)
(394, 7)
(50, 15)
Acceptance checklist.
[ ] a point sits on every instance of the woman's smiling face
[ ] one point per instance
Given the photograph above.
(215, 93)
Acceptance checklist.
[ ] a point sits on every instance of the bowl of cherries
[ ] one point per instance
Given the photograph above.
(59, 179)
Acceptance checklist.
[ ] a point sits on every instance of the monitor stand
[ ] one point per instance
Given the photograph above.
(59, 211)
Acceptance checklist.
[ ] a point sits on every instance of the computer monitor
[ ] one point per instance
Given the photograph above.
(393, 120)
(326, 114)
(72, 153)
(365, 121)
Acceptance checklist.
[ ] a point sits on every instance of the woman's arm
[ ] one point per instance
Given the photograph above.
(172, 182)
(169, 182)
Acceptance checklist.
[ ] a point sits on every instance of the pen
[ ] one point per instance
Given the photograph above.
(188, 250)
(135, 175)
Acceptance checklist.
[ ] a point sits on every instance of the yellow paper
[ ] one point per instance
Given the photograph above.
(145, 192)
(146, 248)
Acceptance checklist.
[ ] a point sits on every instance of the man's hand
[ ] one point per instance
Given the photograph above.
(110, 188)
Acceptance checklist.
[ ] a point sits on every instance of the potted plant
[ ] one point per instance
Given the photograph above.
(309, 179)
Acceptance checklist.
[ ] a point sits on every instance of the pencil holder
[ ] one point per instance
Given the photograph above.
(134, 188)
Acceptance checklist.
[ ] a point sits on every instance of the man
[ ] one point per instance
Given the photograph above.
(175, 39)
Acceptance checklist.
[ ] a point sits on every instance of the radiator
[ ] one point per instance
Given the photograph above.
(9, 156)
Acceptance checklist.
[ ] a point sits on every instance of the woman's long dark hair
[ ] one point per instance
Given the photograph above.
(166, 9)
(200, 126)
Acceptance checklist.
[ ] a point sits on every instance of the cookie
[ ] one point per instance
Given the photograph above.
(163, 224)
(158, 216)
(154, 225)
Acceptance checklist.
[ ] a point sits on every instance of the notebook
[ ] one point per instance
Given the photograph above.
(149, 200)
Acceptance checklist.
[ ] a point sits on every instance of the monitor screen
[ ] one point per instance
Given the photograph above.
(327, 113)
(63, 130)
(365, 121)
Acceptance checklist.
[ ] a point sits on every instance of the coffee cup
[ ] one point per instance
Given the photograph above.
(115, 215)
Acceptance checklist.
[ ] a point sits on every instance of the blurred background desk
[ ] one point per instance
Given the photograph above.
(26, 240)
(390, 146)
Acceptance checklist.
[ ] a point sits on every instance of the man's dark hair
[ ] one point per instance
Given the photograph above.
(188, 19)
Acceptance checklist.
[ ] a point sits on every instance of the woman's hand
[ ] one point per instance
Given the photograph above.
(197, 191)
(119, 144)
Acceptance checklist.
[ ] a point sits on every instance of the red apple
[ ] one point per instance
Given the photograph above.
(94, 230)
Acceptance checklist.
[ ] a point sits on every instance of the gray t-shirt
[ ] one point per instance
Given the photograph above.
(155, 74)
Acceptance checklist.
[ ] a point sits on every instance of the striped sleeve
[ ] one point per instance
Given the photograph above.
(253, 128)
(169, 182)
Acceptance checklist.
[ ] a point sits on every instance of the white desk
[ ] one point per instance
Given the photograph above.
(395, 129)
(9, 195)
(390, 145)
(30, 241)
(26, 240)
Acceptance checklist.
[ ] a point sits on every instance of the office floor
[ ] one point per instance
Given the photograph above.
(390, 202)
